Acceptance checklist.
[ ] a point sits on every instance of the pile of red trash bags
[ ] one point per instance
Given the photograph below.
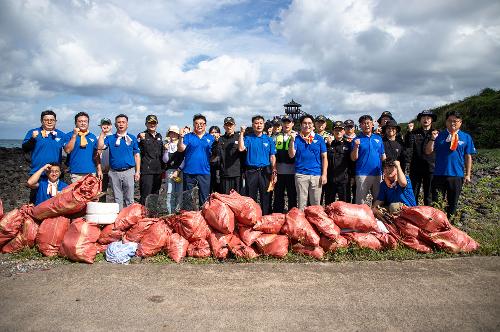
(228, 225)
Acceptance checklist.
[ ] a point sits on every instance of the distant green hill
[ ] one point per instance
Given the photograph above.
(481, 117)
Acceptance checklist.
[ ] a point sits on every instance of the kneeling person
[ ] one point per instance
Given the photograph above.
(49, 186)
(395, 188)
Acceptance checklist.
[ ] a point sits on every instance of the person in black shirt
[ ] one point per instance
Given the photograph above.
(349, 136)
(230, 158)
(394, 149)
(339, 164)
(421, 164)
(151, 146)
(214, 163)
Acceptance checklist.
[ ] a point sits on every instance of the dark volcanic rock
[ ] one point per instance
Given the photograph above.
(13, 176)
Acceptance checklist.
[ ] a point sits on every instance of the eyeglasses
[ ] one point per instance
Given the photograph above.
(454, 121)
(199, 124)
(49, 120)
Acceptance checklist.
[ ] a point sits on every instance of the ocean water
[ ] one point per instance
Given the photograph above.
(11, 143)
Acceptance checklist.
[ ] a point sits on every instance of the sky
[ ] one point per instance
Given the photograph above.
(339, 58)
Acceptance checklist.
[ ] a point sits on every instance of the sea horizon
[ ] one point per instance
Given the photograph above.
(10, 143)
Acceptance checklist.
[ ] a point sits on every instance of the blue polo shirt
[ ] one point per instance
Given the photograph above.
(47, 150)
(41, 193)
(121, 156)
(370, 150)
(397, 194)
(308, 156)
(81, 160)
(197, 154)
(259, 150)
(452, 163)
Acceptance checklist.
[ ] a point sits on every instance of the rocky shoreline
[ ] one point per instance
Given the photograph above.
(14, 170)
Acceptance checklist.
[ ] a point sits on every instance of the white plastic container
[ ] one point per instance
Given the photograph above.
(103, 219)
(102, 208)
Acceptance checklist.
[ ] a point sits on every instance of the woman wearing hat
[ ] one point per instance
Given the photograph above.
(173, 160)
(421, 164)
(393, 148)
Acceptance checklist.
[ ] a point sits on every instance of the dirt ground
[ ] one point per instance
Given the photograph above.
(424, 295)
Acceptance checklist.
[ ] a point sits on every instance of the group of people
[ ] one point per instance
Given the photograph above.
(309, 164)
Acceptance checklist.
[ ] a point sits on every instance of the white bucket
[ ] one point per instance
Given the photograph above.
(103, 219)
(102, 208)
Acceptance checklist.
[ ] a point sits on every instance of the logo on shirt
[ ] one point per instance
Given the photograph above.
(461, 142)
(265, 144)
(376, 140)
(208, 140)
(91, 139)
(315, 141)
(57, 139)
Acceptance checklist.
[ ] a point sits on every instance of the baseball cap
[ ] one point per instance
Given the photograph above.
(320, 118)
(151, 118)
(286, 118)
(229, 119)
(338, 124)
(105, 121)
(276, 122)
(348, 123)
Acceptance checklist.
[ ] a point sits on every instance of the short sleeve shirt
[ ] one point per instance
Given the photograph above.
(259, 150)
(41, 193)
(448, 162)
(197, 153)
(121, 155)
(308, 155)
(47, 149)
(81, 159)
(397, 194)
(371, 148)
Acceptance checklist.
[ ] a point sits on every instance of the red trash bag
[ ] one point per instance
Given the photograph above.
(24, 239)
(271, 223)
(317, 216)
(199, 249)
(12, 222)
(410, 235)
(333, 244)
(453, 240)
(248, 235)
(176, 247)
(136, 232)
(240, 250)
(219, 243)
(299, 229)
(273, 245)
(312, 251)
(129, 216)
(191, 225)
(101, 248)
(70, 200)
(357, 217)
(364, 240)
(426, 218)
(110, 234)
(1, 209)
(80, 241)
(51, 234)
(218, 215)
(155, 238)
(246, 210)
(387, 240)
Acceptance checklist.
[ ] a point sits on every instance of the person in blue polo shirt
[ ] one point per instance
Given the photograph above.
(46, 182)
(44, 143)
(197, 146)
(368, 153)
(260, 162)
(396, 188)
(124, 161)
(454, 149)
(81, 147)
(311, 162)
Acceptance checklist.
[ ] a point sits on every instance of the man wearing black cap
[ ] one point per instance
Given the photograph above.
(226, 148)
(393, 149)
(349, 136)
(151, 146)
(454, 149)
(320, 126)
(339, 161)
(421, 164)
(285, 166)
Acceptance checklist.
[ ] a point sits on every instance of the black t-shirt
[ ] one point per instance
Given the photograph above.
(151, 153)
(339, 161)
(416, 141)
(230, 158)
(395, 151)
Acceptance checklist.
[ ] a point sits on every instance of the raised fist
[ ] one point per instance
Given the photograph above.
(357, 142)
(76, 131)
(142, 136)
(34, 134)
(243, 128)
(434, 134)
(410, 126)
(184, 131)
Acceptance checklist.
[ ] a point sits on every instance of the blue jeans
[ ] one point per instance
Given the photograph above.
(200, 180)
(174, 190)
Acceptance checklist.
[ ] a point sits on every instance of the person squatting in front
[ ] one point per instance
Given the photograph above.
(46, 186)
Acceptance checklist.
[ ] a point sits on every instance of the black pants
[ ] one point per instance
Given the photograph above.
(285, 182)
(333, 189)
(226, 184)
(419, 180)
(257, 182)
(105, 183)
(450, 187)
(149, 184)
(351, 192)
